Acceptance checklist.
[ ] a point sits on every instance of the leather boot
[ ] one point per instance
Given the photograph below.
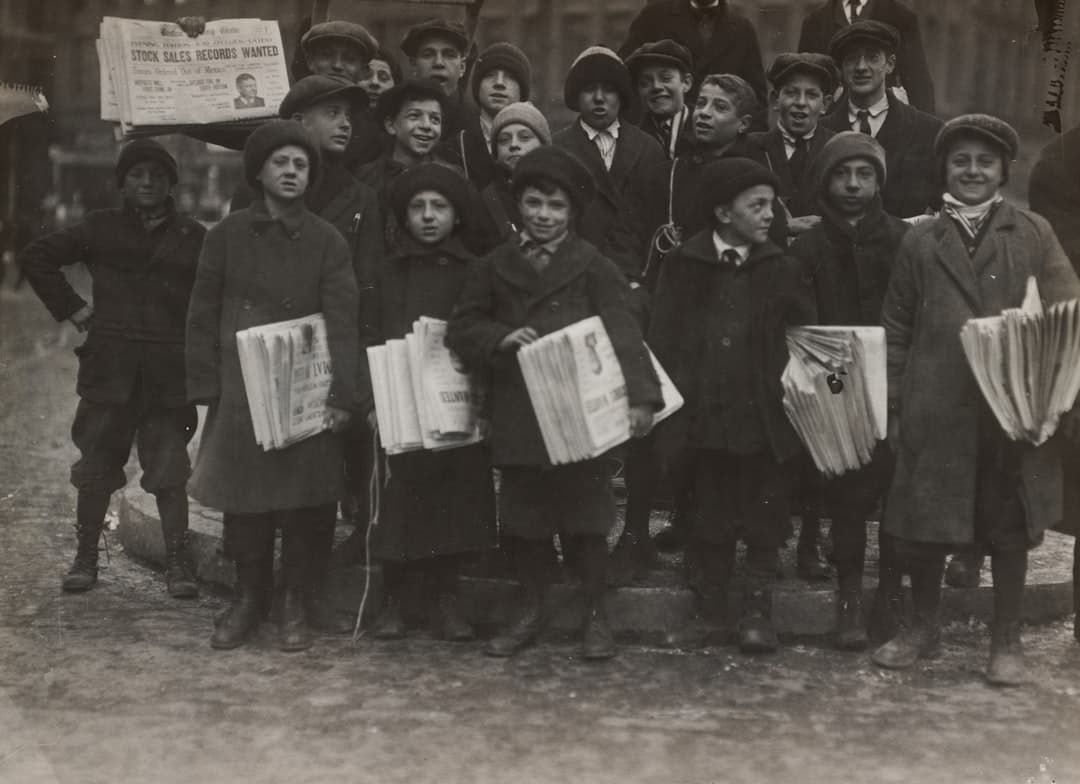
(850, 631)
(756, 631)
(244, 613)
(293, 632)
(708, 568)
(173, 510)
(321, 613)
(1006, 666)
(810, 565)
(964, 570)
(921, 640)
(888, 615)
(597, 641)
(390, 622)
(89, 521)
(523, 631)
(631, 560)
(452, 623)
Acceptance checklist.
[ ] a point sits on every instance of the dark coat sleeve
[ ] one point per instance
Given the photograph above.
(41, 261)
(642, 30)
(341, 307)
(898, 314)
(202, 345)
(473, 334)
(914, 70)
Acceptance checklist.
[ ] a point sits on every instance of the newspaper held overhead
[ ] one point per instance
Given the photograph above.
(578, 391)
(1026, 361)
(287, 375)
(17, 100)
(836, 393)
(156, 79)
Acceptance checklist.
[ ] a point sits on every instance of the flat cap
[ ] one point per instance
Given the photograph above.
(992, 129)
(666, 51)
(313, 89)
(867, 32)
(820, 66)
(410, 44)
(350, 32)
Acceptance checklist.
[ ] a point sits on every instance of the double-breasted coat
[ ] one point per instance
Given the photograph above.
(935, 288)
(504, 293)
(257, 270)
(799, 196)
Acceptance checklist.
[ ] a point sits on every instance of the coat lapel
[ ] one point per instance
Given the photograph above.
(566, 265)
(628, 151)
(894, 133)
(777, 159)
(950, 252)
(588, 153)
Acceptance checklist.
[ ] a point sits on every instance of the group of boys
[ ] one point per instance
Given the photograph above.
(724, 235)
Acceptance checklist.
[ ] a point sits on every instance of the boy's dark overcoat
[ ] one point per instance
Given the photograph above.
(799, 197)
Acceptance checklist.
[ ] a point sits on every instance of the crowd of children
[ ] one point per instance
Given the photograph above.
(666, 209)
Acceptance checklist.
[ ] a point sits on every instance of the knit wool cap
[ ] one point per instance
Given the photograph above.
(819, 66)
(273, 135)
(524, 114)
(510, 59)
(847, 145)
(994, 130)
(665, 52)
(867, 32)
(145, 150)
(416, 34)
(340, 30)
(392, 100)
(315, 89)
(598, 64)
(560, 166)
(723, 180)
(434, 176)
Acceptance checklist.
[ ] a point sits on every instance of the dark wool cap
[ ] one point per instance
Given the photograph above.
(847, 145)
(439, 177)
(996, 131)
(723, 180)
(510, 59)
(392, 100)
(145, 150)
(866, 32)
(598, 64)
(315, 89)
(349, 32)
(274, 135)
(559, 166)
(416, 34)
(666, 52)
(819, 66)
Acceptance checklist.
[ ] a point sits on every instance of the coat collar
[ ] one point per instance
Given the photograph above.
(874, 223)
(292, 221)
(571, 261)
(952, 253)
(628, 151)
(453, 248)
(701, 247)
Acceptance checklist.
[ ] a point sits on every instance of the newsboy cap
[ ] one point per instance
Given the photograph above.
(145, 150)
(454, 31)
(317, 88)
(665, 52)
(340, 30)
(819, 66)
(554, 164)
(866, 32)
(992, 129)
(724, 179)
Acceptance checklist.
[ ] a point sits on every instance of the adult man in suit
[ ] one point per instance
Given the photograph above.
(866, 52)
(249, 93)
(912, 73)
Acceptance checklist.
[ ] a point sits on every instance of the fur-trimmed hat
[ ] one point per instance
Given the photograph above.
(982, 126)
(274, 135)
(145, 150)
(410, 44)
(392, 100)
(317, 88)
(434, 176)
(724, 179)
(339, 29)
(843, 147)
(560, 166)
(598, 64)
(864, 32)
(820, 66)
(523, 114)
(665, 52)
(507, 57)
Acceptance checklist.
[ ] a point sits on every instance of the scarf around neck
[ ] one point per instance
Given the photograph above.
(970, 216)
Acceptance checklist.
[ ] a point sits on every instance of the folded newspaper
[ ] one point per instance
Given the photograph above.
(287, 374)
(17, 100)
(154, 79)
(424, 399)
(578, 391)
(1027, 364)
(836, 393)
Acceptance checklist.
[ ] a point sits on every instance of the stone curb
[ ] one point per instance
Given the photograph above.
(799, 609)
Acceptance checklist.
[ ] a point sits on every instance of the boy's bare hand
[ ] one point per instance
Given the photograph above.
(805, 223)
(372, 420)
(193, 26)
(522, 336)
(82, 318)
(336, 419)
(641, 421)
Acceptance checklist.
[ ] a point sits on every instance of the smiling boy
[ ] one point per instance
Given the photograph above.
(662, 72)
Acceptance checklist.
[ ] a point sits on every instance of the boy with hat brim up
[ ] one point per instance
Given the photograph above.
(960, 482)
(131, 386)
(540, 281)
(866, 53)
(723, 303)
(848, 258)
(435, 507)
(273, 261)
(663, 73)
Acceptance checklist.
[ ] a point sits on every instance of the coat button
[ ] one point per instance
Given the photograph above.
(725, 342)
(287, 303)
(554, 305)
(294, 235)
(442, 261)
(248, 304)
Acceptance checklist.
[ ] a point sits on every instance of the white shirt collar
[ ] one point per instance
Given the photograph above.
(592, 133)
(789, 138)
(721, 246)
(875, 110)
(847, 8)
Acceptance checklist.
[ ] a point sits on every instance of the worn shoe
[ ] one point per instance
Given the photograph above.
(390, 623)
(323, 617)
(631, 560)
(452, 623)
(82, 576)
(293, 631)
(888, 615)
(850, 631)
(756, 631)
(669, 539)
(921, 641)
(240, 619)
(520, 634)
(810, 565)
(964, 570)
(1006, 666)
(179, 580)
(597, 641)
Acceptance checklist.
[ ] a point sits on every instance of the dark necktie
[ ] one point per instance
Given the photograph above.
(705, 24)
(854, 4)
(797, 161)
(731, 256)
(863, 117)
(537, 254)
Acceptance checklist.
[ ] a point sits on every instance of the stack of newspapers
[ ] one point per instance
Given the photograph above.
(578, 391)
(836, 393)
(154, 79)
(1027, 364)
(424, 399)
(287, 374)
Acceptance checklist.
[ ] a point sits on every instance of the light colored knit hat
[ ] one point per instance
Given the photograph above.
(524, 114)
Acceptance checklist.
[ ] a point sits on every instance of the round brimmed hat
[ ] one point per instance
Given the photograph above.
(415, 35)
(274, 135)
(847, 145)
(665, 52)
(314, 89)
(340, 30)
(392, 100)
(867, 32)
(723, 180)
(598, 64)
(439, 177)
(145, 150)
(507, 57)
(559, 166)
(521, 114)
(819, 66)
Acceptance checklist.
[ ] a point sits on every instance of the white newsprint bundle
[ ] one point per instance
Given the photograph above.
(155, 79)
(578, 391)
(424, 399)
(1027, 364)
(287, 375)
(836, 393)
